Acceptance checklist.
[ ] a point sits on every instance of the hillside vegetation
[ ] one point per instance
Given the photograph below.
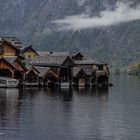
(31, 20)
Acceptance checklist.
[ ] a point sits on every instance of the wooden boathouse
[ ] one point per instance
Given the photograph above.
(57, 70)
(74, 69)
(62, 69)
(11, 61)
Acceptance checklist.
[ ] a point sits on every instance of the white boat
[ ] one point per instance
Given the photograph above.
(6, 82)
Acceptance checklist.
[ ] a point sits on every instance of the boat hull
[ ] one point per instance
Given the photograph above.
(8, 82)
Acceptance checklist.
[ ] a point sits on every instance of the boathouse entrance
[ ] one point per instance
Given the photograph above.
(18, 75)
(65, 74)
(102, 80)
(6, 73)
(81, 78)
(93, 79)
(50, 82)
(51, 79)
(31, 78)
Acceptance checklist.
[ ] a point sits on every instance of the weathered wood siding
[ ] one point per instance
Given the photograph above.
(18, 66)
(8, 50)
(29, 54)
(4, 65)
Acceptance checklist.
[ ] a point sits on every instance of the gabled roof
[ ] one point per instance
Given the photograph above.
(52, 72)
(41, 70)
(52, 61)
(33, 67)
(81, 73)
(89, 62)
(68, 61)
(84, 62)
(29, 48)
(99, 62)
(13, 59)
(14, 41)
(30, 68)
(3, 59)
(47, 61)
(8, 43)
(76, 70)
(77, 54)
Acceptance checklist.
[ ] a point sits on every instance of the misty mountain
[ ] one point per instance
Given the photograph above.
(31, 20)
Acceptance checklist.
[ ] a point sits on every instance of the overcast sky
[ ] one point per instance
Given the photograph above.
(123, 13)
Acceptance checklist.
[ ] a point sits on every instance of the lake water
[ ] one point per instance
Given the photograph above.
(84, 114)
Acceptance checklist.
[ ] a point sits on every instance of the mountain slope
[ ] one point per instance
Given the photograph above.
(30, 20)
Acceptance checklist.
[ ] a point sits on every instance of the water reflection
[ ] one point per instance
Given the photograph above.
(92, 92)
(11, 96)
(9, 110)
(72, 114)
(23, 110)
(8, 100)
(12, 99)
(67, 94)
(9, 93)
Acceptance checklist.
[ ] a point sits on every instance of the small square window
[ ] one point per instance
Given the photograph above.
(29, 56)
(100, 67)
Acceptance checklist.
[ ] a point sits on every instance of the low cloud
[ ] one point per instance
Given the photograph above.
(121, 14)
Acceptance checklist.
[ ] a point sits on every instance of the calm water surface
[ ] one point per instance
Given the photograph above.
(83, 114)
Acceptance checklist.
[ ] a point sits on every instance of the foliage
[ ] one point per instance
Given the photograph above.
(135, 69)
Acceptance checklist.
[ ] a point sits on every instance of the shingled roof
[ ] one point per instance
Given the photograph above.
(100, 62)
(12, 59)
(14, 41)
(76, 70)
(89, 62)
(8, 43)
(57, 60)
(29, 48)
(41, 70)
(49, 61)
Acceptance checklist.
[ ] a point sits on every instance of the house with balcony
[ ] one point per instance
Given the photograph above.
(14, 41)
(11, 60)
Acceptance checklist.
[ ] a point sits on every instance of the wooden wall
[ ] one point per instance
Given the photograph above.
(8, 50)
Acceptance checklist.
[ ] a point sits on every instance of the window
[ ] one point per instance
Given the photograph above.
(100, 67)
(29, 56)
